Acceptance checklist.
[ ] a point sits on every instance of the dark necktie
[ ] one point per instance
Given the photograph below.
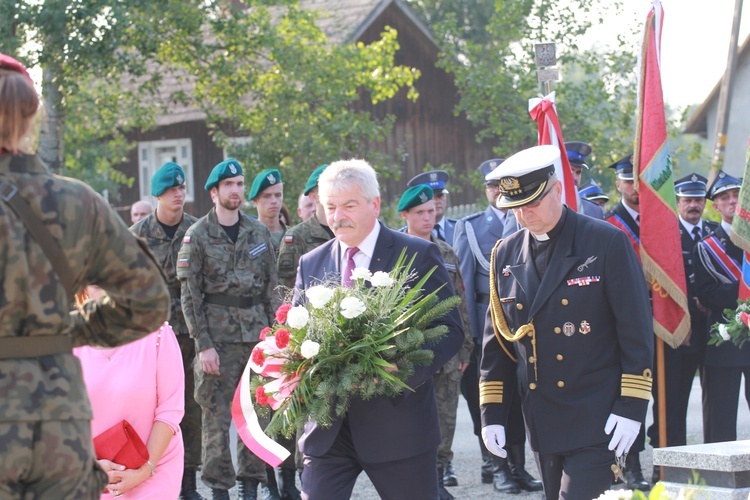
(439, 232)
(350, 265)
(696, 234)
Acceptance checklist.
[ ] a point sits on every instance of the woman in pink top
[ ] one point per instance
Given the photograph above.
(143, 383)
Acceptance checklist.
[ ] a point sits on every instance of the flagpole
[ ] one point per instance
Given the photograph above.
(661, 393)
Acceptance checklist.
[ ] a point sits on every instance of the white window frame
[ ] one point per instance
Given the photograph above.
(153, 154)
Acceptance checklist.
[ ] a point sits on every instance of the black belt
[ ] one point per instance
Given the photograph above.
(34, 347)
(231, 300)
(482, 298)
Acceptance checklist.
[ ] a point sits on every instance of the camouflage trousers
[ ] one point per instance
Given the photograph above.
(214, 394)
(190, 427)
(49, 460)
(447, 388)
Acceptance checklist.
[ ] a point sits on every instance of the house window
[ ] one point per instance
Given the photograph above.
(154, 154)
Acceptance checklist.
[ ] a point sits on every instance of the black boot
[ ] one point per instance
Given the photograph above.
(449, 476)
(247, 489)
(486, 468)
(269, 490)
(502, 480)
(288, 489)
(217, 494)
(443, 494)
(633, 474)
(188, 488)
(517, 461)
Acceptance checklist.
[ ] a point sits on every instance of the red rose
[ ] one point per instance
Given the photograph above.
(264, 332)
(258, 357)
(282, 338)
(260, 396)
(281, 313)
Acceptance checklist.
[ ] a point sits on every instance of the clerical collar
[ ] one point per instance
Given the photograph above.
(552, 233)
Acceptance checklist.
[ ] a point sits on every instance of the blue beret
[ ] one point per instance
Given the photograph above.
(591, 191)
(224, 170)
(691, 186)
(415, 196)
(436, 179)
(169, 175)
(312, 182)
(723, 182)
(488, 166)
(266, 178)
(624, 168)
(577, 153)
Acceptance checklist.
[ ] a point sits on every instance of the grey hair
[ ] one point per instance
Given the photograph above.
(345, 174)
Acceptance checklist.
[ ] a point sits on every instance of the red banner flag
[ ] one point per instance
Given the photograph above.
(661, 251)
(544, 112)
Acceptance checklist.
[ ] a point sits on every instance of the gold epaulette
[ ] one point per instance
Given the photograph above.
(490, 392)
(637, 386)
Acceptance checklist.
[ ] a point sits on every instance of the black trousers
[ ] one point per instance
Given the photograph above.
(580, 474)
(721, 394)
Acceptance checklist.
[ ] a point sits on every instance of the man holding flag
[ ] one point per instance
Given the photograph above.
(717, 276)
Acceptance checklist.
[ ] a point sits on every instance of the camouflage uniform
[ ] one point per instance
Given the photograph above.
(299, 240)
(448, 378)
(165, 251)
(45, 434)
(210, 265)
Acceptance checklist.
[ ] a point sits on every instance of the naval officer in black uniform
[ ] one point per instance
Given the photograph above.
(570, 323)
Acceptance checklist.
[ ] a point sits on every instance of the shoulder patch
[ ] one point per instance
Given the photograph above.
(186, 239)
(258, 250)
(450, 267)
(183, 262)
(288, 238)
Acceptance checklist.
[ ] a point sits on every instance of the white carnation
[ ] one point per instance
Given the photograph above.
(319, 295)
(381, 278)
(297, 317)
(309, 348)
(723, 332)
(361, 273)
(351, 307)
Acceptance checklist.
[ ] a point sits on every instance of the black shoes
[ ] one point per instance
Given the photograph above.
(449, 475)
(517, 462)
(634, 479)
(188, 488)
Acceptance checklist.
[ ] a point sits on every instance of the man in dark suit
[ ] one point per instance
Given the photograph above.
(475, 237)
(394, 440)
(718, 267)
(437, 180)
(626, 216)
(570, 323)
(681, 364)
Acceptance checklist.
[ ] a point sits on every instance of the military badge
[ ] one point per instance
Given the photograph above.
(178, 178)
(585, 327)
(510, 185)
(183, 262)
(506, 271)
(584, 280)
(186, 239)
(257, 250)
(289, 238)
(232, 168)
(583, 266)
(423, 197)
(569, 329)
(271, 179)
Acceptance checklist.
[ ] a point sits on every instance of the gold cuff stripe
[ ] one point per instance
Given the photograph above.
(490, 392)
(636, 386)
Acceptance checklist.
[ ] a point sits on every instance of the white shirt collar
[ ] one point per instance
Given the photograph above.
(727, 226)
(632, 213)
(366, 248)
(689, 227)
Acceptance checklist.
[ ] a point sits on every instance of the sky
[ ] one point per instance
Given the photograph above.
(695, 43)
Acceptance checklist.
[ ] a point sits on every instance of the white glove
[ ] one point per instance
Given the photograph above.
(494, 439)
(625, 432)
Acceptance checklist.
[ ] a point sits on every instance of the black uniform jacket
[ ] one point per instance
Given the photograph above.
(718, 291)
(594, 336)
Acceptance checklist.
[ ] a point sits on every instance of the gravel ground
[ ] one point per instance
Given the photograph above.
(467, 460)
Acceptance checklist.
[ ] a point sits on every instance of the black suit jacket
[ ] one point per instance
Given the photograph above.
(594, 336)
(385, 429)
(698, 320)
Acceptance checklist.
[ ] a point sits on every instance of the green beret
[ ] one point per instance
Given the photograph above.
(267, 178)
(414, 196)
(169, 175)
(224, 170)
(312, 182)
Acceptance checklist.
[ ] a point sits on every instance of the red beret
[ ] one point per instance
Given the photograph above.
(7, 62)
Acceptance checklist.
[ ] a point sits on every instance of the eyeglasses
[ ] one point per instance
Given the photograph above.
(538, 201)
